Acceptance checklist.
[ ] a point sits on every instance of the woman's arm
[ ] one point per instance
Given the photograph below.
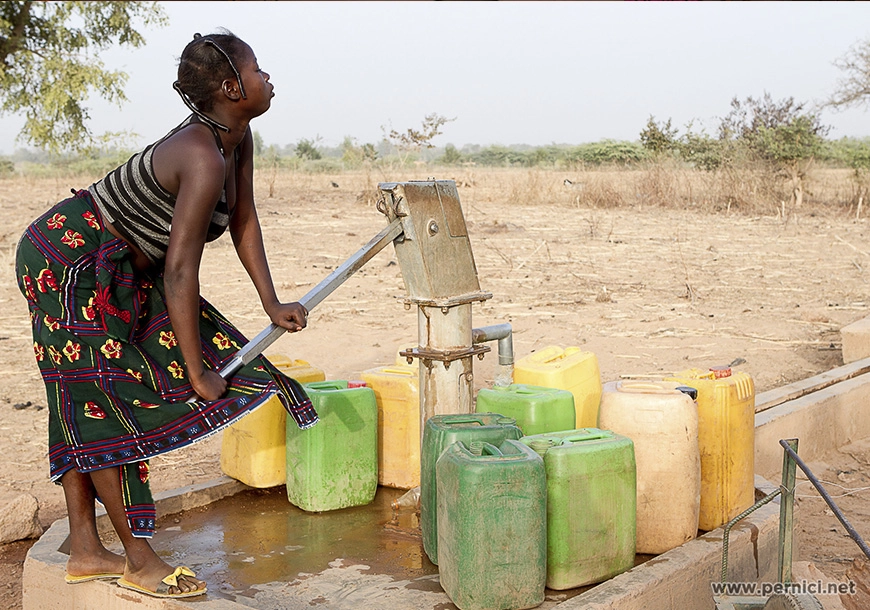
(200, 170)
(248, 241)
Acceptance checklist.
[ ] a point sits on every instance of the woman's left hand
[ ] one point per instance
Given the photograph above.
(290, 316)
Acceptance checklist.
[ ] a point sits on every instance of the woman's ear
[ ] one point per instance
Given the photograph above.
(230, 88)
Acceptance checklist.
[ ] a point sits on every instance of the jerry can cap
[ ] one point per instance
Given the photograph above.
(720, 372)
(692, 392)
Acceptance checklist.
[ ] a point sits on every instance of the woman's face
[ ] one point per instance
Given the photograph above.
(258, 89)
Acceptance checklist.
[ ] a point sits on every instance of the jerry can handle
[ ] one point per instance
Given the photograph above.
(526, 390)
(326, 386)
(460, 419)
(484, 449)
(404, 372)
(490, 449)
(472, 419)
(555, 358)
(590, 436)
(643, 386)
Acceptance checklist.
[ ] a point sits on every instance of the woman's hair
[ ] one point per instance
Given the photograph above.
(205, 63)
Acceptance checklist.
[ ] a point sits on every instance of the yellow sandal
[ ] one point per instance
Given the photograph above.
(74, 580)
(165, 584)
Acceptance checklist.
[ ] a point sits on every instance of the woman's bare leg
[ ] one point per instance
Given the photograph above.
(144, 567)
(87, 555)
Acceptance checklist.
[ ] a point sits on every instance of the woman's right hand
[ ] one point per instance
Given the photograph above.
(209, 385)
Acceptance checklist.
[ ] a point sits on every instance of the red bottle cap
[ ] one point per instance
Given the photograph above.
(357, 383)
(720, 372)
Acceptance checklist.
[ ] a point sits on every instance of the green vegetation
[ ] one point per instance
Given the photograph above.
(51, 65)
(692, 151)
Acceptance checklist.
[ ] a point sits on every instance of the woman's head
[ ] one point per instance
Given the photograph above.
(206, 62)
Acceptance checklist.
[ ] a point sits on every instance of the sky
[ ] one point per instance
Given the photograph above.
(531, 73)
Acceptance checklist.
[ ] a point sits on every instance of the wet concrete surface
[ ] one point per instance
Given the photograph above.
(257, 549)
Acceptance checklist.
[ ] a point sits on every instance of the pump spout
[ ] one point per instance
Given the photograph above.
(503, 333)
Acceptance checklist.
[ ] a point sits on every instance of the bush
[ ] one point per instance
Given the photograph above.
(700, 151)
(7, 168)
(607, 152)
(322, 166)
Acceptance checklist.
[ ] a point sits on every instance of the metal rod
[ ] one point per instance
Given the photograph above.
(313, 297)
(727, 532)
(823, 492)
(786, 510)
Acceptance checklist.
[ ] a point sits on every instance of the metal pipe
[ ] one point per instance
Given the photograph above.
(812, 478)
(314, 296)
(501, 332)
(446, 386)
(786, 510)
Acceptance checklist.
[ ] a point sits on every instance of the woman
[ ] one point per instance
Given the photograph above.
(121, 335)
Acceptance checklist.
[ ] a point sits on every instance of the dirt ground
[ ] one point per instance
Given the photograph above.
(648, 290)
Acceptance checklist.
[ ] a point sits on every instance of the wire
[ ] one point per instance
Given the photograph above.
(849, 490)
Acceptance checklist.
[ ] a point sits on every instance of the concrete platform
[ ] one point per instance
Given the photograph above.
(823, 412)
(856, 340)
(677, 579)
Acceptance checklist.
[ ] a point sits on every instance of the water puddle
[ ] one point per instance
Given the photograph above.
(260, 551)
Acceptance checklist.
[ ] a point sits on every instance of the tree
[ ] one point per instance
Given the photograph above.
(356, 154)
(412, 140)
(854, 88)
(451, 155)
(658, 138)
(51, 64)
(258, 144)
(781, 134)
(307, 149)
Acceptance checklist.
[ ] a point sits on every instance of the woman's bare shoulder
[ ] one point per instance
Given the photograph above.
(190, 151)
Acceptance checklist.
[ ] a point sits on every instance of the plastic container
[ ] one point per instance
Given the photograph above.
(591, 505)
(566, 369)
(537, 409)
(252, 449)
(662, 421)
(440, 432)
(492, 534)
(397, 391)
(334, 464)
(726, 442)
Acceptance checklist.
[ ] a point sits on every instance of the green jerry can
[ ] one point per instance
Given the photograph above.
(591, 505)
(335, 463)
(492, 525)
(440, 432)
(537, 409)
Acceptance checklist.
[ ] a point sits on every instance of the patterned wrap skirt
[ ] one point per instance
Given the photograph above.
(114, 375)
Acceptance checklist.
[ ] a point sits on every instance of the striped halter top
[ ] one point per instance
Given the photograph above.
(140, 209)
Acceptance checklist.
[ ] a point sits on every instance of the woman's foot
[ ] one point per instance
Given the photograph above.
(162, 580)
(95, 566)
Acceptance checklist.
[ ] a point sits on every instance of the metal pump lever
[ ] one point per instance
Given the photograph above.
(313, 297)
